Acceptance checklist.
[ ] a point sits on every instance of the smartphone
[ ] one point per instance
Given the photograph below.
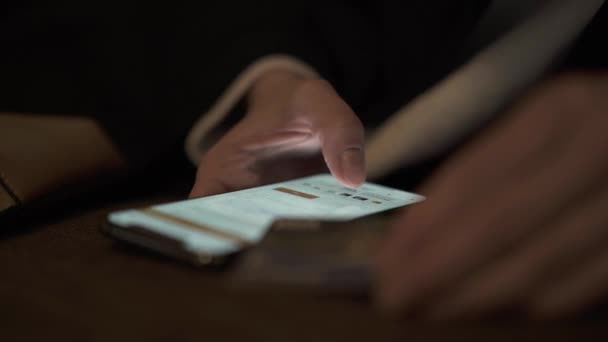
(209, 230)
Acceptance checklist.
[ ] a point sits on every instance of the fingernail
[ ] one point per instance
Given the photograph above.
(353, 166)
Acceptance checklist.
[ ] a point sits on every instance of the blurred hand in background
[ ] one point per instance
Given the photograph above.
(517, 219)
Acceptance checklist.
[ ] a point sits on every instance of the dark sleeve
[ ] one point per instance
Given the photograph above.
(146, 71)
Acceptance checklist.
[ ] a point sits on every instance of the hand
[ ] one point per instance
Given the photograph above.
(516, 220)
(293, 127)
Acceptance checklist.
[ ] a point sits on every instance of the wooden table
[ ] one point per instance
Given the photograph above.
(63, 279)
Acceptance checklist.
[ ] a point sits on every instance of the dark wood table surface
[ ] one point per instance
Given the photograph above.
(61, 278)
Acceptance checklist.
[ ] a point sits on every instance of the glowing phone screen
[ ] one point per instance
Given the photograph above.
(222, 224)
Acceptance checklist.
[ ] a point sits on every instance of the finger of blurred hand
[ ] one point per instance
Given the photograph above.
(553, 256)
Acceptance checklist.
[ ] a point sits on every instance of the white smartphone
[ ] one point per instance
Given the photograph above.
(209, 229)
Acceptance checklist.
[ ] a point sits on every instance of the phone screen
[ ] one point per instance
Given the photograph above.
(225, 223)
